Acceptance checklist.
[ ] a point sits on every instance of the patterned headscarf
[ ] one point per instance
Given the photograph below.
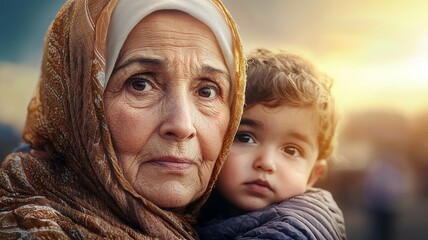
(79, 190)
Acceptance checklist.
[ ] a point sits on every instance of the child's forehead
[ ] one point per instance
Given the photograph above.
(283, 114)
(281, 108)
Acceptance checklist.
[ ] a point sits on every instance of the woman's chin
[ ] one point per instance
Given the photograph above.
(173, 196)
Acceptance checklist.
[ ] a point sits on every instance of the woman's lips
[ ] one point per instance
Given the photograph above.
(173, 163)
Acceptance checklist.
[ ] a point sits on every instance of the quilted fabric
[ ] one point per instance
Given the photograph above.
(309, 216)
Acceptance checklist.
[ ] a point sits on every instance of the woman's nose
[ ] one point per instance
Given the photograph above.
(265, 161)
(178, 123)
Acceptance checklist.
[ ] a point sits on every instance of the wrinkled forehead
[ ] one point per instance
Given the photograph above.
(128, 13)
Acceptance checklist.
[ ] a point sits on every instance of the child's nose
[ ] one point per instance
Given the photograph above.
(265, 161)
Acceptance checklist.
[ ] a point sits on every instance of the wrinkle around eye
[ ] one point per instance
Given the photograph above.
(212, 104)
(123, 72)
(210, 108)
(217, 76)
(211, 95)
(133, 83)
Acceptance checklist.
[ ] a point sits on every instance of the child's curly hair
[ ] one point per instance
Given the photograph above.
(281, 78)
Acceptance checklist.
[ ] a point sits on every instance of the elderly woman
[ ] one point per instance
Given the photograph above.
(137, 104)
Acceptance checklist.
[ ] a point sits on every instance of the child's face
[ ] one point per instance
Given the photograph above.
(273, 157)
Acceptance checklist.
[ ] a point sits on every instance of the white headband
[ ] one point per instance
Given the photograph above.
(128, 13)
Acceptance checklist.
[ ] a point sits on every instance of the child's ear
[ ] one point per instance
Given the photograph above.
(318, 171)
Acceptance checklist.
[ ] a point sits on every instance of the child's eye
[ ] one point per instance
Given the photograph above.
(293, 151)
(244, 138)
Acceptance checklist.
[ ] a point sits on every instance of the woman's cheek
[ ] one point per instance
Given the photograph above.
(128, 127)
(214, 132)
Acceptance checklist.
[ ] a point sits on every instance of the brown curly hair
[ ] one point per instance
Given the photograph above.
(281, 78)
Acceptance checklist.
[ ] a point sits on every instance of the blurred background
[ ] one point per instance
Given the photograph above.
(377, 52)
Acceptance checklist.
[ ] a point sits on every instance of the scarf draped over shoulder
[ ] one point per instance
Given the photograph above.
(79, 191)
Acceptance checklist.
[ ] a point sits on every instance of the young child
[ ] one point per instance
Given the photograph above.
(280, 150)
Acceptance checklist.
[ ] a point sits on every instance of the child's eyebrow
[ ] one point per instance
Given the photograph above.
(302, 137)
(250, 122)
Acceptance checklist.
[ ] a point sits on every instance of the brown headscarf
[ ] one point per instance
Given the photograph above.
(79, 190)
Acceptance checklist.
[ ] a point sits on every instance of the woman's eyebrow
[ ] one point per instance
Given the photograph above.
(142, 61)
(214, 70)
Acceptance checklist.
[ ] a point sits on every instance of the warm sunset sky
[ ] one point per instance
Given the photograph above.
(377, 51)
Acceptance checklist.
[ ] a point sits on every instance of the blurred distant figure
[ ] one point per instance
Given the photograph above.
(9, 139)
(419, 151)
(385, 186)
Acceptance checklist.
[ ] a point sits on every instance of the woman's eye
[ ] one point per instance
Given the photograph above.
(293, 151)
(141, 84)
(207, 92)
(244, 138)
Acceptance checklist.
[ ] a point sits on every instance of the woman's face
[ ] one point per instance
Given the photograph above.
(167, 106)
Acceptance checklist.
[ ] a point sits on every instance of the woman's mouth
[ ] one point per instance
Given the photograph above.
(172, 163)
